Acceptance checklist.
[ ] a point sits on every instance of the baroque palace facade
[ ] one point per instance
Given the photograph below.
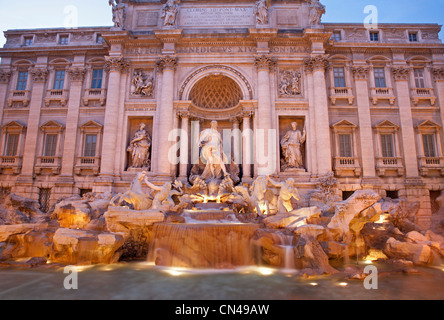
(86, 109)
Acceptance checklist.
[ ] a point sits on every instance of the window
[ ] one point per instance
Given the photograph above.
(345, 146)
(28, 41)
(380, 78)
(428, 142)
(44, 198)
(347, 194)
(374, 36)
(337, 36)
(413, 36)
(89, 149)
(22, 80)
(50, 145)
(11, 146)
(99, 38)
(59, 79)
(393, 194)
(419, 77)
(387, 146)
(339, 76)
(64, 39)
(97, 79)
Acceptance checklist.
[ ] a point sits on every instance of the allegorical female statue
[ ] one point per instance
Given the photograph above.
(317, 9)
(262, 11)
(119, 13)
(139, 149)
(169, 13)
(291, 145)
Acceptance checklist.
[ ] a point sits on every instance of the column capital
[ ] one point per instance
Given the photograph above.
(117, 64)
(183, 114)
(39, 74)
(360, 72)
(77, 74)
(318, 62)
(264, 62)
(166, 63)
(5, 76)
(401, 73)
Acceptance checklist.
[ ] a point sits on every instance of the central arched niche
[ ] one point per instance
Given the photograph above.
(216, 92)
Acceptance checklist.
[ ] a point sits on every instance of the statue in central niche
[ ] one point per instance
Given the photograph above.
(291, 145)
(212, 153)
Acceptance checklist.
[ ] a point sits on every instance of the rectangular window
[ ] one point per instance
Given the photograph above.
(44, 199)
(374, 36)
(90, 145)
(413, 37)
(22, 80)
(11, 147)
(29, 41)
(339, 75)
(337, 36)
(99, 38)
(419, 78)
(50, 145)
(97, 79)
(345, 146)
(64, 39)
(428, 141)
(59, 79)
(387, 146)
(380, 78)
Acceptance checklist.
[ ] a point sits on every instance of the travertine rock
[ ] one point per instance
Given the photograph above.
(293, 219)
(417, 253)
(74, 214)
(81, 247)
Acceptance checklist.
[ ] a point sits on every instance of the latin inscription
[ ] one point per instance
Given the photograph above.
(218, 50)
(234, 16)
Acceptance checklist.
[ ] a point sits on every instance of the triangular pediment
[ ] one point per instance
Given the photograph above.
(52, 124)
(344, 124)
(386, 124)
(91, 124)
(428, 124)
(13, 125)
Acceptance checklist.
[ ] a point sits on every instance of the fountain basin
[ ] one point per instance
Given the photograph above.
(206, 245)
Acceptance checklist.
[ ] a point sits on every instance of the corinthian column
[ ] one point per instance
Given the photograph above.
(438, 76)
(401, 75)
(360, 74)
(72, 120)
(39, 76)
(316, 65)
(265, 143)
(166, 65)
(117, 66)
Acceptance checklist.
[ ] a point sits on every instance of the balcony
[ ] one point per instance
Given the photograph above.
(389, 166)
(338, 93)
(85, 165)
(13, 163)
(48, 164)
(22, 96)
(430, 166)
(94, 95)
(419, 94)
(60, 96)
(347, 166)
(377, 94)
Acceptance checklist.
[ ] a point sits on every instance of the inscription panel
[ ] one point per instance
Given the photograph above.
(147, 19)
(216, 16)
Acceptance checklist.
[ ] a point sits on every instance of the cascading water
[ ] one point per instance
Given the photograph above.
(208, 239)
(286, 243)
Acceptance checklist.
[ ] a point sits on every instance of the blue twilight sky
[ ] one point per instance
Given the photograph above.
(29, 14)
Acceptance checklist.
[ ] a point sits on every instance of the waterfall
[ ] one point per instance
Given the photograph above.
(286, 243)
(216, 246)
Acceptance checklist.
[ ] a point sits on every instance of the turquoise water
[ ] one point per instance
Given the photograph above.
(135, 281)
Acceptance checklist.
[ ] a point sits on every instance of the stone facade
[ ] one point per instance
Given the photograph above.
(370, 101)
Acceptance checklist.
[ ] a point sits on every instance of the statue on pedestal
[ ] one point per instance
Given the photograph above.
(317, 9)
(169, 13)
(212, 153)
(139, 149)
(119, 13)
(261, 11)
(291, 145)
